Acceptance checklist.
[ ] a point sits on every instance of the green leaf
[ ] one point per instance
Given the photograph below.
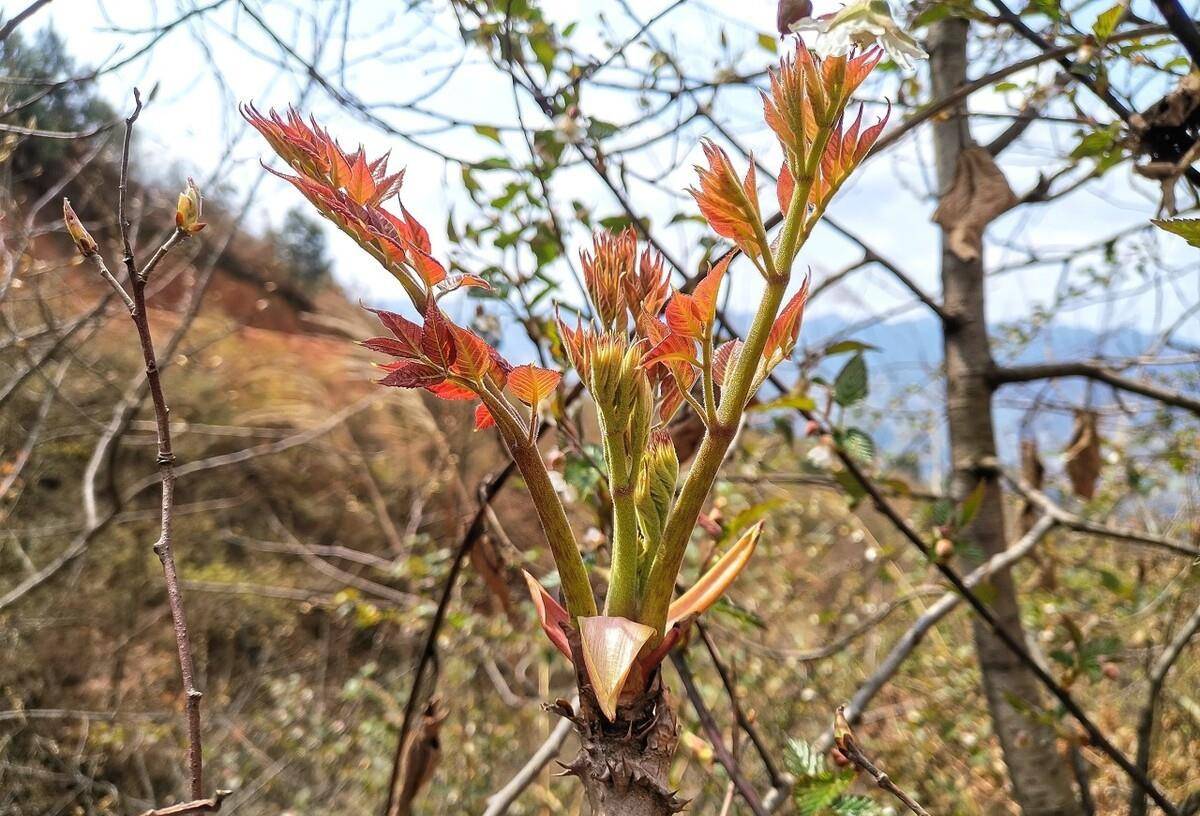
(767, 42)
(846, 346)
(1186, 228)
(744, 519)
(489, 132)
(796, 402)
(739, 614)
(970, 505)
(850, 385)
(818, 788)
(857, 443)
(856, 805)
(599, 129)
(545, 52)
(1096, 143)
(852, 487)
(1106, 23)
(931, 15)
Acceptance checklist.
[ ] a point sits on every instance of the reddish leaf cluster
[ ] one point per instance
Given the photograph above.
(349, 190)
(445, 359)
(728, 204)
(806, 109)
(620, 287)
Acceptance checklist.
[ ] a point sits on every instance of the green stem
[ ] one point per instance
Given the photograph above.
(572, 574)
(706, 371)
(622, 598)
(660, 583)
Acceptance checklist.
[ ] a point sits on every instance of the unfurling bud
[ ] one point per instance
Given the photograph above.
(187, 211)
(943, 549)
(656, 487)
(843, 737)
(83, 239)
(646, 289)
(642, 416)
(604, 271)
(616, 378)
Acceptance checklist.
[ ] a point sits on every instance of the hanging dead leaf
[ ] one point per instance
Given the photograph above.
(420, 758)
(978, 195)
(489, 562)
(1083, 454)
(1034, 474)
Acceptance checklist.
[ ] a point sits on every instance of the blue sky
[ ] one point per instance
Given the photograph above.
(193, 122)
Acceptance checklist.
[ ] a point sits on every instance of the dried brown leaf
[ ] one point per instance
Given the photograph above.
(978, 195)
(1083, 460)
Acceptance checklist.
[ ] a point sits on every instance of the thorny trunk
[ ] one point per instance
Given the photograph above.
(624, 766)
(1040, 780)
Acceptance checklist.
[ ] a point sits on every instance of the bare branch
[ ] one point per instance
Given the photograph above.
(499, 802)
(1097, 372)
(713, 732)
(1075, 522)
(930, 618)
(1149, 714)
(848, 745)
(20, 17)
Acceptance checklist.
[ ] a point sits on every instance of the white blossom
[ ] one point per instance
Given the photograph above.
(862, 24)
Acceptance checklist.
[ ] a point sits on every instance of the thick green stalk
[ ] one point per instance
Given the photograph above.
(572, 574)
(622, 598)
(660, 583)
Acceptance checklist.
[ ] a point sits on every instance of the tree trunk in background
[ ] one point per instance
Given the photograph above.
(1040, 779)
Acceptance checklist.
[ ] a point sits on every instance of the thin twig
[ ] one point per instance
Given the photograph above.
(1082, 525)
(488, 491)
(166, 466)
(20, 17)
(1149, 714)
(1098, 373)
(850, 748)
(499, 802)
(1099, 739)
(739, 714)
(931, 617)
(713, 731)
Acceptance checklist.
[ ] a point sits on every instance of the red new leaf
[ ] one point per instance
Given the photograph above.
(437, 338)
(448, 390)
(483, 417)
(705, 298)
(390, 346)
(785, 188)
(683, 317)
(725, 356)
(454, 282)
(674, 347)
(360, 185)
(786, 330)
(474, 356)
(413, 375)
(730, 206)
(404, 330)
(531, 384)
